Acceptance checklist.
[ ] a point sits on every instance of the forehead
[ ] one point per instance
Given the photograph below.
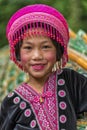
(36, 38)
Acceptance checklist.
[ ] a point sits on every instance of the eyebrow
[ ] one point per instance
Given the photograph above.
(44, 41)
(27, 42)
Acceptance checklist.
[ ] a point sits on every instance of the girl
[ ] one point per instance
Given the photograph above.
(53, 97)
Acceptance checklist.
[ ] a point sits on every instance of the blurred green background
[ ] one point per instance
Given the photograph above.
(75, 11)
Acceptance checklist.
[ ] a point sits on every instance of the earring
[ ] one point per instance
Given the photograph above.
(26, 78)
(54, 68)
(59, 65)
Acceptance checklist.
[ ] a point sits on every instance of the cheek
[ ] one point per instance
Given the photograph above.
(51, 57)
(24, 59)
(24, 56)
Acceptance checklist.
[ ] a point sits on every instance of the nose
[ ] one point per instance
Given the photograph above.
(37, 54)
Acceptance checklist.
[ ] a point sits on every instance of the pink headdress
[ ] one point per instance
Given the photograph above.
(34, 16)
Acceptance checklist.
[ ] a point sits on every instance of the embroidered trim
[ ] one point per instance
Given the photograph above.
(46, 112)
(63, 119)
(62, 93)
(22, 105)
(33, 124)
(16, 100)
(27, 112)
(41, 17)
(62, 105)
(61, 82)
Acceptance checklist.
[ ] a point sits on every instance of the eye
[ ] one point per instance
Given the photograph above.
(28, 47)
(46, 47)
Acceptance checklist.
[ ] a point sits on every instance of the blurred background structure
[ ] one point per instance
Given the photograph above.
(75, 11)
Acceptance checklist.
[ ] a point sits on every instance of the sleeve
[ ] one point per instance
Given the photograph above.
(7, 113)
(77, 86)
(82, 88)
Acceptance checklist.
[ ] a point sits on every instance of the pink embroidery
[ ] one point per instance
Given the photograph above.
(48, 93)
(36, 99)
(46, 112)
(31, 17)
(62, 93)
(42, 97)
(33, 124)
(27, 112)
(22, 105)
(61, 82)
(62, 105)
(45, 124)
(43, 118)
(63, 118)
(16, 100)
(10, 94)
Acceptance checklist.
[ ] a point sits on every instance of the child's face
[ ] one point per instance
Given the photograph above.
(38, 55)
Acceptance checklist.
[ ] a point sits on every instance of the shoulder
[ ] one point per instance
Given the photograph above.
(12, 98)
(72, 77)
(72, 73)
(7, 110)
(14, 109)
(66, 73)
(12, 104)
(9, 101)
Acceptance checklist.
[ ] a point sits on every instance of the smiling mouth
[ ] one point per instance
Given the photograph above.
(38, 67)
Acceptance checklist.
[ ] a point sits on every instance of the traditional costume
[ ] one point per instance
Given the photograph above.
(64, 93)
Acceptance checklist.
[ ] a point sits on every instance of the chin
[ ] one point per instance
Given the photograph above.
(39, 75)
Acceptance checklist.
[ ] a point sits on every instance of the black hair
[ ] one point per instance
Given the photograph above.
(59, 50)
(17, 50)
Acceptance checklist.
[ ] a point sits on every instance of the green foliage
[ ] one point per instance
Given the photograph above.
(75, 11)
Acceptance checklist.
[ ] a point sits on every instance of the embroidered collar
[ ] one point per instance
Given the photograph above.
(45, 106)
